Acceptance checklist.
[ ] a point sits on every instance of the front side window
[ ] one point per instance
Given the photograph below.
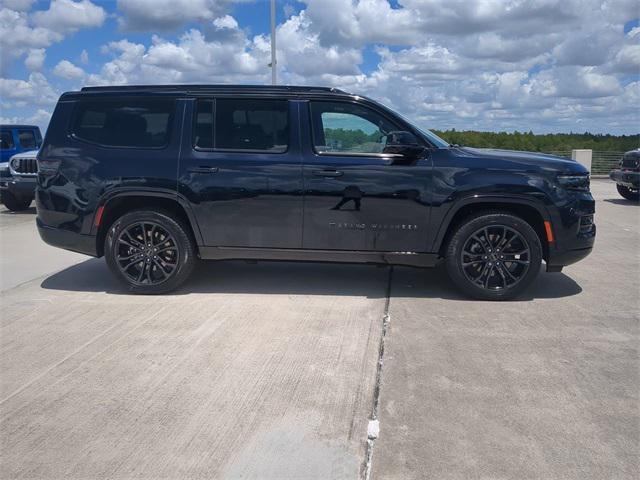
(124, 123)
(348, 128)
(27, 139)
(6, 140)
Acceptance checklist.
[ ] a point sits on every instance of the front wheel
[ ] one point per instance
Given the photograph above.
(15, 204)
(628, 193)
(493, 256)
(150, 252)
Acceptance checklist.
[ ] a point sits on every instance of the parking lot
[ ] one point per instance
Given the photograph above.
(270, 370)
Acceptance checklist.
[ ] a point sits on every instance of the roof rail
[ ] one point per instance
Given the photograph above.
(213, 87)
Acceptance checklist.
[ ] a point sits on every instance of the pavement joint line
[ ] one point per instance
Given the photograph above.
(373, 427)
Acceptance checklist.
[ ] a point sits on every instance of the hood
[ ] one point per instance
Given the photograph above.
(27, 154)
(541, 159)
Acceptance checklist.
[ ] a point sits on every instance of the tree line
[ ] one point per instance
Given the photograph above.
(551, 142)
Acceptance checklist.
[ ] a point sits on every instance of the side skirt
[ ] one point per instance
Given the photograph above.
(423, 260)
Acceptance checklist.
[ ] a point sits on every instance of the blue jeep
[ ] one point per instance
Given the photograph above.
(18, 167)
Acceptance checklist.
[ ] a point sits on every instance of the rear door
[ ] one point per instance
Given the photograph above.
(356, 196)
(241, 171)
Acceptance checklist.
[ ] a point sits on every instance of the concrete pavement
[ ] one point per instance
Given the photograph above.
(23, 256)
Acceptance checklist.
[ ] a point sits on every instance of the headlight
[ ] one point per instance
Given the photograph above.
(574, 182)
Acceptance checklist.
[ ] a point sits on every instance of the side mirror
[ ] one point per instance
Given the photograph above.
(403, 143)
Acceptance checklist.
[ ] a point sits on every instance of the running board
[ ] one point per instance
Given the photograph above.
(412, 259)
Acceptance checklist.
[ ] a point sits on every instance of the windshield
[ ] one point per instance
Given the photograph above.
(432, 137)
(428, 134)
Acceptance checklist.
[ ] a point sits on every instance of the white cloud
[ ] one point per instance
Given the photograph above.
(627, 60)
(35, 90)
(22, 32)
(66, 16)
(40, 117)
(154, 15)
(300, 53)
(66, 69)
(35, 58)
(18, 5)
(17, 36)
(84, 57)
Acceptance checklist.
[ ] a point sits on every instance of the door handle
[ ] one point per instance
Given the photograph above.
(328, 173)
(203, 170)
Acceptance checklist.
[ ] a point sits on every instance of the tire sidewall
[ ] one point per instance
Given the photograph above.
(628, 193)
(470, 226)
(186, 250)
(15, 204)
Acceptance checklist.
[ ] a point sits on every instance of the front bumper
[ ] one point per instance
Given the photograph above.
(628, 178)
(574, 231)
(76, 242)
(23, 187)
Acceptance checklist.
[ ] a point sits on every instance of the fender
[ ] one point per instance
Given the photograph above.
(471, 199)
(150, 192)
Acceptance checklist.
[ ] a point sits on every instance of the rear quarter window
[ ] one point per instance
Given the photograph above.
(27, 139)
(132, 123)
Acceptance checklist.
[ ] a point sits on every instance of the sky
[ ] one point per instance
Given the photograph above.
(493, 65)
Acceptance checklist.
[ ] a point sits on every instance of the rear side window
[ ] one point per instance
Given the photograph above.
(6, 140)
(124, 123)
(242, 124)
(27, 139)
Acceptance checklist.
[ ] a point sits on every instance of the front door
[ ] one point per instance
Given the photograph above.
(357, 197)
(241, 171)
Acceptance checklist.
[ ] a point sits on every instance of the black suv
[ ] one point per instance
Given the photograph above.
(627, 176)
(155, 177)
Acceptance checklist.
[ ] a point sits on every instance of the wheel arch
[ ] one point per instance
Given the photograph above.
(534, 213)
(116, 205)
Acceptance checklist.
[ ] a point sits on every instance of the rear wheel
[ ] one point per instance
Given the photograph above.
(15, 204)
(150, 252)
(493, 256)
(628, 193)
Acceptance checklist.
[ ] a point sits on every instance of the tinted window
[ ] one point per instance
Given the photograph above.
(251, 124)
(27, 139)
(6, 140)
(124, 123)
(348, 128)
(203, 131)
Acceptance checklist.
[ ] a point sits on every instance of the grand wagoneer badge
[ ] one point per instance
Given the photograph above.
(373, 226)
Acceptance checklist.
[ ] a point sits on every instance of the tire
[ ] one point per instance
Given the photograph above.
(149, 271)
(628, 193)
(487, 273)
(15, 204)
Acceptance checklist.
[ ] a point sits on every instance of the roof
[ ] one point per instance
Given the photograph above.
(11, 125)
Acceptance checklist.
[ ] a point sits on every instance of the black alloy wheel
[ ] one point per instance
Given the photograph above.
(151, 252)
(147, 254)
(493, 256)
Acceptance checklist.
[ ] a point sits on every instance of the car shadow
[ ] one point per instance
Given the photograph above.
(303, 278)
(622, 201)
(28, 211)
